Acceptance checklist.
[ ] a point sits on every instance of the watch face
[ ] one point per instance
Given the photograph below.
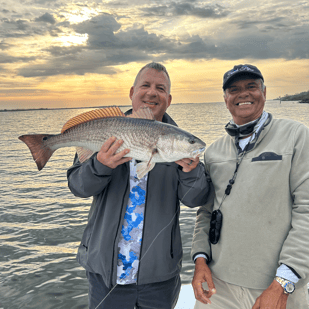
(289, 287)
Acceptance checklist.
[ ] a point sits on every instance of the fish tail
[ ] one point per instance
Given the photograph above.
(40, 151)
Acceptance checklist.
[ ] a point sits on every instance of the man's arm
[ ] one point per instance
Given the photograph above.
(193, 186)
(200, 243)
(295, 249)
(91, 177)
(273, 297)
(202, 274)
(200, 247)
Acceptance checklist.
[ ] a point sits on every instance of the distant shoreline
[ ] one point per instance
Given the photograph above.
(85, 107)
(105, 106)
(55, 108)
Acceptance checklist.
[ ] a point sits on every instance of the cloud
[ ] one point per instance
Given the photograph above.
(186, 9)
(266, 32)
(100, 30)
(106, 46)
(23, 92)
(78, 63)
(5, 58)
(4, 46)
(20, 28)
(46, 18)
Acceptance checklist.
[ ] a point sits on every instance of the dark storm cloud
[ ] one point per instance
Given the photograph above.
(186, 9)
(46, 18)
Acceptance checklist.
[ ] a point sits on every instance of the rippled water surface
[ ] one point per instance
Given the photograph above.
(41, 222)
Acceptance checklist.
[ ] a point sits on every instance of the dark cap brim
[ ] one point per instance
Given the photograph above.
(241, 76)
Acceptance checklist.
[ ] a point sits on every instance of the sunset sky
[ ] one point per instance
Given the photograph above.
(66, 53)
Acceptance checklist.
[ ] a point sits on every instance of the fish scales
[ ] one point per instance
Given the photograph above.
(137, 134)
(149, 141)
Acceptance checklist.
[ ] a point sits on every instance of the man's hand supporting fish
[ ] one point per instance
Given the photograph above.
(188, 164)
(109, 157)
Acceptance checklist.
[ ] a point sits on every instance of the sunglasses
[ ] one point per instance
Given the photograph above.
(215, 226)
(232, 130)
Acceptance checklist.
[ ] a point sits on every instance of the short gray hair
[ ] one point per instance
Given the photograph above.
(157, 66)
(262, 83)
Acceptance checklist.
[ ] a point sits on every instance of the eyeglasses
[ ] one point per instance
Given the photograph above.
(215, 226)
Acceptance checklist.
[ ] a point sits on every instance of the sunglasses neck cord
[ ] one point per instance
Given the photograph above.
(232, 180)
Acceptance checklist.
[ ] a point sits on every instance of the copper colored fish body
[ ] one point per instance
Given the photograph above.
(149, 141)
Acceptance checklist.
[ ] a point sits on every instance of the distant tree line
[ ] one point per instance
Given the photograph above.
(302, 97)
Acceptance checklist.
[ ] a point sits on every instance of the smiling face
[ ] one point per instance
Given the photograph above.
(245, 100)
(151, 90)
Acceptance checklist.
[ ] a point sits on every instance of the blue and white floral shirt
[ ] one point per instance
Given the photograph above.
(129, 245)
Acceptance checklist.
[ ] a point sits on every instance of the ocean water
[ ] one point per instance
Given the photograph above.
(41, 222)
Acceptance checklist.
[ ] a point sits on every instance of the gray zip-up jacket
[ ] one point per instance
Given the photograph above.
(161, 250)
(266, 216)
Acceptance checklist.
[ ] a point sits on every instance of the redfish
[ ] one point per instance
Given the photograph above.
(149, 141)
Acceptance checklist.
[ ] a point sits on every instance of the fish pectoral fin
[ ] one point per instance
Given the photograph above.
(142, 113)
(154, 151)
(143, 168)
(83, 154)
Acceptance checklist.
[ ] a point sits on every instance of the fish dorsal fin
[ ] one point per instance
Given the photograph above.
(143, 113)
(108, 112)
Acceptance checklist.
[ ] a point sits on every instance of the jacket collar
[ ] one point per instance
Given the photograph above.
(166, 118)
(259, 135)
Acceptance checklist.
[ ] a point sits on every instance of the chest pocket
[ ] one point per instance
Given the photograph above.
(267, 156)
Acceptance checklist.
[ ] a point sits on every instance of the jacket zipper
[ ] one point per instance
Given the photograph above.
(115, 250)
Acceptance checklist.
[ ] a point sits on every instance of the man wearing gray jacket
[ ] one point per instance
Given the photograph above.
(131, 247)
(251, 239)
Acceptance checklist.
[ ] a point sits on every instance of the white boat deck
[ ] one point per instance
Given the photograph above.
(186, 298)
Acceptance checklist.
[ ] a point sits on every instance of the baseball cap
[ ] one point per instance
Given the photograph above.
(246, 70)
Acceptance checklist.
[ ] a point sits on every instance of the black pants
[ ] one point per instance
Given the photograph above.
(160, 295)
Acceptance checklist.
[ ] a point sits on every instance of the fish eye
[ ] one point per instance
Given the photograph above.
(191, 141)
(44, 138)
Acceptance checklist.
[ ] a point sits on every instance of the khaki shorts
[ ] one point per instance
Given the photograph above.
(231, 296)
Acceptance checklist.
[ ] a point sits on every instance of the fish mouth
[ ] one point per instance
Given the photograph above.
(244, 103)
(198, 152)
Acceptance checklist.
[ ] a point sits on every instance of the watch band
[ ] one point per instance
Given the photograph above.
(288, 286)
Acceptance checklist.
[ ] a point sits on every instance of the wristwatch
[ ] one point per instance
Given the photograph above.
(288, 286)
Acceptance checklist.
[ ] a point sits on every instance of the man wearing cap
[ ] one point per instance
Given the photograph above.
(251, 238)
